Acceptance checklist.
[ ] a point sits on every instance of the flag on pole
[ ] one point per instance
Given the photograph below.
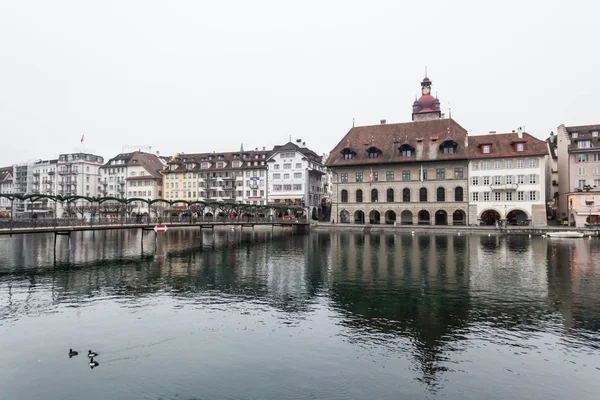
(371, 177)
(82, 136)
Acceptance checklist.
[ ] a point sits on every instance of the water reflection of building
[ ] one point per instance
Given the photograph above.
(414, 286)
(574, 281)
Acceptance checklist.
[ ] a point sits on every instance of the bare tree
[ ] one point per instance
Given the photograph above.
(70, 210)
(81, 209)
(92, 210)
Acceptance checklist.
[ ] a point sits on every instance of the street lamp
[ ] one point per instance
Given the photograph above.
(590, 204)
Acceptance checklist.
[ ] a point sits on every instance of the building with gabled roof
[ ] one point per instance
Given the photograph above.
(578, 149)
(407, 173)
(295, 177)
(507, 179)
(133, 175)
(238, 176)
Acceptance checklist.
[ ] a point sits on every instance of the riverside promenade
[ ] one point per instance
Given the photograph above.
(64, 226)
(450, 229)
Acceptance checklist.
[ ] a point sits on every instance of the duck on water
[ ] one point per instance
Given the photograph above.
(92, 354)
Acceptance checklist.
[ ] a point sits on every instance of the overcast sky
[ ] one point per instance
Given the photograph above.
(195, 76)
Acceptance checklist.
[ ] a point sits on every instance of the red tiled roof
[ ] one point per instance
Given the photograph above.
(192, 162)
(425, 137)
(502, 145)
(151, 162)
(584, 132)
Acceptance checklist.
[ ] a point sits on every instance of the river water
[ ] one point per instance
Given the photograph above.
(277, 315)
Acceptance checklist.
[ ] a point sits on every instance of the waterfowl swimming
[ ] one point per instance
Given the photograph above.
(72, 353)
(91, 354)
(93, 363)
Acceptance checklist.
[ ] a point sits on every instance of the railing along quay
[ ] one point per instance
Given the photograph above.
(52, 225)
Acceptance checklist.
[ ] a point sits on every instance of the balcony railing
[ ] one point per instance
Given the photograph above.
(504, 186)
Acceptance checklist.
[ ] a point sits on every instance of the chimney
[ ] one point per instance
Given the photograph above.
(256, 149)
(158, 154)
(492, 132)
(520, 133)
(303, 144)
(382, 122)
(264, 148)
(298, 141)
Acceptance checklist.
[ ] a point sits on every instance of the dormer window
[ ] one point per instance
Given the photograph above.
(594, 133)
(448, 147)
(574, 135)
(220, 164)
(583, 144)
(486, 149)
(373, 152)
(205, 165)
(348, 153)
(406, 150)
(219, 157)
(519, 147)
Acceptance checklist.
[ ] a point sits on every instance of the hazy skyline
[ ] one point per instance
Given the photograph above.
(192, 76)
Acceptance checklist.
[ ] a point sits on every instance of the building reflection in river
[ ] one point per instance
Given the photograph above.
(422, 295)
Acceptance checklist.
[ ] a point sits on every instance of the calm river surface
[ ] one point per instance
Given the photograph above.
(261, 315)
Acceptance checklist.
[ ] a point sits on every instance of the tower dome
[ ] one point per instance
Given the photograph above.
(426, 107)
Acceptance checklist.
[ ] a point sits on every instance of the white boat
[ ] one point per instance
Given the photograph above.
(565, 234)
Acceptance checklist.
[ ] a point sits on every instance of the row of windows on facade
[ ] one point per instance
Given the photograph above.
(575, 135)
(440, 174)
(505, 180)
(406, 150)
(587, 157)
(588, 182)
(139, 193)
(505, 164)
(287, 166)
(584, 144)
(583, 171)
(406, 195)
(192, 194)
(202, 175)
(279, 188)
(297, 175)
(194, 184)
(113, 171)
(506, 196)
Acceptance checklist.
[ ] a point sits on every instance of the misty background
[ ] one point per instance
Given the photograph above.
(197, 76)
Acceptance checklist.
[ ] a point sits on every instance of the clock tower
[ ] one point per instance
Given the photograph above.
(426, 107)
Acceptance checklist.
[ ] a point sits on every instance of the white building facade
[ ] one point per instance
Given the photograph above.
(507, 180)
(295, 177)
(133, 175)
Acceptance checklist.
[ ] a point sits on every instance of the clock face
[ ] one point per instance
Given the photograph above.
(426, 90)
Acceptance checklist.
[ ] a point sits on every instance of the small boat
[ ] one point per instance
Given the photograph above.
(565, 234)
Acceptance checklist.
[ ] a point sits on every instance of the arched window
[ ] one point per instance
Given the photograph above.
(406, 195)
(423, 194)
(359, 196)
(390, 195)
(441, 194)
(458, 193)
(344, 196)
(374, 196)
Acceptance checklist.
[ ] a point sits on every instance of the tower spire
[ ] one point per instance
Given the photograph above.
(426, 71)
